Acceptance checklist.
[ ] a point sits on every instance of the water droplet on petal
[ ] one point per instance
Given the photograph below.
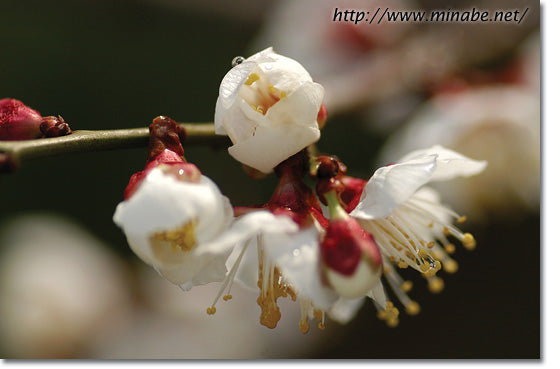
(237, 60)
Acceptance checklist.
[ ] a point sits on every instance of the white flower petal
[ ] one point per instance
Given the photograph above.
(247, 226)
(229, 88)
(449, 164)
(263, 151)
(297, 256)
(345, 309)
(296, 106)
(392, 185)
(163, 203)
(283, 72)
(378, 294)
(196, 271)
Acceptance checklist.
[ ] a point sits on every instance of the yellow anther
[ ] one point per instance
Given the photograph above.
(282, 94)
(413, 308)
(395, 312)
(397, 247)
(424, 267)
(450, 248)
(462, 219)
(446, 231)
(406, 286)
(430, 244)
(450, 266)
(389, 305)
(271, 89)
(402, 265)
(382, 314)
(392, 258)
(392, 322)
(182, 237)
(227, 297)
(386, 270)
(438, 265)
(431, 224)
(430, 273)
(321, 326)
(211, 310)
(423, 253)
(304, 326)
(252, 78)
(469, 241)
(435, 285)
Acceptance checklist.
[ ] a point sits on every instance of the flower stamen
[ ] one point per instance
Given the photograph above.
(182, 237)
(259, 94)
(230, 277)
(271, 287)
(395, 282)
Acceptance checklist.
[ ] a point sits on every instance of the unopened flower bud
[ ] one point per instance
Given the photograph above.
(164, 148)
(327, 167)
(54, 127)
(351, 259)
(18, 121)
(165, 133)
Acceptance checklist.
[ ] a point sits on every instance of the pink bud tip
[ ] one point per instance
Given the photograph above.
(18, 121)
(345, 244)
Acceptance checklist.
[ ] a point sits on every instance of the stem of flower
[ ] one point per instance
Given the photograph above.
(18, 152)
(336, 211)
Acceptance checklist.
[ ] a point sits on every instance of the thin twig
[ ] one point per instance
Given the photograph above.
(18, 152)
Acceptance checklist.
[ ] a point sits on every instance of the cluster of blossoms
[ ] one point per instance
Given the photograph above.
(328, 248)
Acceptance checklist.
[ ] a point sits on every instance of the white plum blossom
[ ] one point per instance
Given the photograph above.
(406, 218)
(268, 106)
(166, 218)
(408, 221)
(186, 229)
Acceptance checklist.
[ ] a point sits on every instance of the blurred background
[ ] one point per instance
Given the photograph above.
(71, 287)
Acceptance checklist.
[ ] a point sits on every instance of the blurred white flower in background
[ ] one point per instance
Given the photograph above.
(383, 67)
(499, 123)
(347, 59)
(172, 324)
(65, 295)
(60, 288)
